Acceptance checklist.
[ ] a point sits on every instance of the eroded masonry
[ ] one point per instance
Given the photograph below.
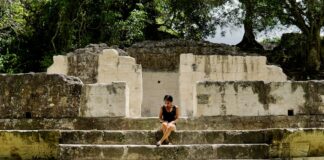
(99, 102)
(202, 83)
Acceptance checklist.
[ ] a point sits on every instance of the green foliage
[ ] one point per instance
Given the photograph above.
(291, 50)
(261, 14)
(308, 16)
(8, 63)
(190, 19)
(12, 15)
(132, 27)
(32, 31)
(273, 41)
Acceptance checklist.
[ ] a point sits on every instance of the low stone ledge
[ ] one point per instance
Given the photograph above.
(151, 152)
(150, 137)
(201, 123)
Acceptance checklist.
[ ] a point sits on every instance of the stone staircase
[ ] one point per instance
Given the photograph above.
(227, 137)
(140, 144)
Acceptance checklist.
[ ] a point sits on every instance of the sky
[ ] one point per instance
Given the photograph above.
(235, 34)
(232, 36)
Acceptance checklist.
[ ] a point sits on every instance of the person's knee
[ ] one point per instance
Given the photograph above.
(164, 124)
(171, 126)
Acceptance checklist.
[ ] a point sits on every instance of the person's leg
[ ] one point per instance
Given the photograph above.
(170, 128)
(163, 128)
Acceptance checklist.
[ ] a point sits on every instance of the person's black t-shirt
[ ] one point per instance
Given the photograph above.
(169, 116)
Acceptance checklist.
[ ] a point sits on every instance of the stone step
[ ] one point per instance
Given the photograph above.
(174, 152)
(307, 158)
(202, 123)
(146, 137)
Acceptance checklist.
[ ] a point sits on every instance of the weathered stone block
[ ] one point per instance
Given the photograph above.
(221, 68)
(100, 64)
(84, 66)
(105, 100)
(123, 69)
(258, 98)
(60, 65)
(243, 151)
(39, 96)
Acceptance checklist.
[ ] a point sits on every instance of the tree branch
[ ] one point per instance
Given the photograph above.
(296, 12)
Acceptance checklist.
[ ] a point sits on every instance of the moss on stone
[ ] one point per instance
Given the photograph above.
(312, 97)
(29, 145)
(235, 86)
(263, 90)
(298, 143)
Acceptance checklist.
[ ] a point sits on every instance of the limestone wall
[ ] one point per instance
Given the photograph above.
(195, 68)
(84, 66)
(60, 65)
(82, 63)
(208, 61)
(105, 100)
(113, 67)
(155, 86)
(39, 95)
(99, 65)
(58, 96)
(165, 55)
(166, 70)
(258, 98)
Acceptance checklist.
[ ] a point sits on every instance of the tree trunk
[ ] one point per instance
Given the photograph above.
(248, 42)
(313, 62)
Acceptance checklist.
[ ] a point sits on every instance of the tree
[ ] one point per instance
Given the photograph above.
(308, 16)
(12, 25)
(249, 42)
(31, 31)
(254, 15)
(189, 19)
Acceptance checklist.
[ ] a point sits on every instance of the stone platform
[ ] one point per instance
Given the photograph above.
(200, 123)
(219, 137)
(151, 152)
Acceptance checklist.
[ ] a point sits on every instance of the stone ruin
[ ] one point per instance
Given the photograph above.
(101, 102)
(177, 76)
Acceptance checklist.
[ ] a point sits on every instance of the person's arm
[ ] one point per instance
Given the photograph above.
(160, 115)
(177, 115)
